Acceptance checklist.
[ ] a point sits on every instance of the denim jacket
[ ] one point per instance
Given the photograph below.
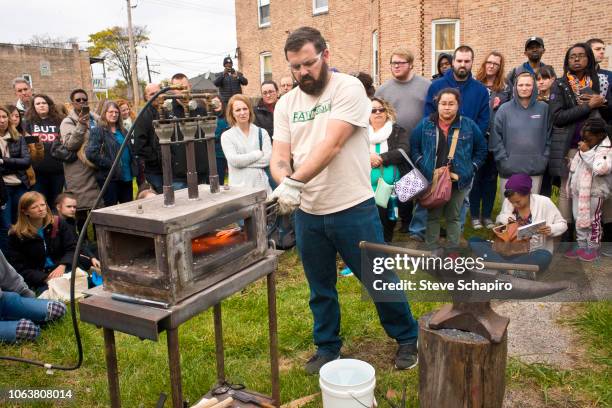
(102, 150)
(470, 154)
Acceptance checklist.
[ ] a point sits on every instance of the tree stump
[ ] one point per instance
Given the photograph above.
(459, 369)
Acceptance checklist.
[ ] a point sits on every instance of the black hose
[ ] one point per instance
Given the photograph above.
(77, 250)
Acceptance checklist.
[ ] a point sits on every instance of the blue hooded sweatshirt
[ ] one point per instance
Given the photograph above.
(474, 98)
(520, 137)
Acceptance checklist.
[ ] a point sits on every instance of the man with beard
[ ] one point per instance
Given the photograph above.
(534, 49)
(474, 99)
(320, 158)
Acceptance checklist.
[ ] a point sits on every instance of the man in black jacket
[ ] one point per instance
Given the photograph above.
(229, 81)
(179, 157)
(534, 49)
(146, 143)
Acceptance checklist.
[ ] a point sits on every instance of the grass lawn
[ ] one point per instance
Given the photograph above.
(144, 369)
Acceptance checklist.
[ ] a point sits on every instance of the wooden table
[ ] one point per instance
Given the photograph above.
(147, 322)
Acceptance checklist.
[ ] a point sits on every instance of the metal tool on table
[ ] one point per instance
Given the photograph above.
(248, 399)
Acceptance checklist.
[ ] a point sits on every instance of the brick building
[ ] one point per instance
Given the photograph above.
(362, 33)
(54, 71)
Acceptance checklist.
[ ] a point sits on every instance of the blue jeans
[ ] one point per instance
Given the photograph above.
(482, 248)
(418, 224)
(484, 190)
(50, 185)
(118, 192)
(8, 212)
(13, 307)
(319, 239)
(156, 181)
(221, 167)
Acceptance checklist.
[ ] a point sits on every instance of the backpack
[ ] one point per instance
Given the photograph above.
(280, 228)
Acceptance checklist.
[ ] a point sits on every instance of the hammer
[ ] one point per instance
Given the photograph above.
(249, 399)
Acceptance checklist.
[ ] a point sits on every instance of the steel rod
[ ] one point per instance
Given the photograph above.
(167, 175)
(112, 371)
(212, 165)
(192, 174)
(219, 343)
(174, 363)
(273, 329)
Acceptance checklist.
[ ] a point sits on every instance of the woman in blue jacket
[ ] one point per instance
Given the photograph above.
(104, 142)
(430, 145)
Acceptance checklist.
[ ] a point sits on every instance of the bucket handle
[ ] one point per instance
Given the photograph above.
(374, 405)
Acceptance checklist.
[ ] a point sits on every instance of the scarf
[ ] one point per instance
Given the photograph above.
(578, 84)
(380, 137)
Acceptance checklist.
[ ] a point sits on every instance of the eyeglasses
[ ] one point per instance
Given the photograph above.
(398, 63)
(378, 110)
(577, 56)
(81, 100)
(306, 64)
(266, 93)
(495, 64)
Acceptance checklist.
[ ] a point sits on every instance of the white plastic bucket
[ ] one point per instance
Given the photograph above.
(347, 383)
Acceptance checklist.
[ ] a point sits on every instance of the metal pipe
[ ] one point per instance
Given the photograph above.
(219, 343)
(273, 329)
(213, 178)
(167, 175)
(192, 173)
(112, 372)
(174, 362)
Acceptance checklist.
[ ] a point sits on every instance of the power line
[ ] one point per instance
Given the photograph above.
(182, 4)
(184, 49)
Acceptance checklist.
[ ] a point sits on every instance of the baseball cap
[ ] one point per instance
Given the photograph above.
(227, 60)
(538, 40)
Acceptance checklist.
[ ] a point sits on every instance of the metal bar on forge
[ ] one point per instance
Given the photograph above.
(112, 371)
(167, 175)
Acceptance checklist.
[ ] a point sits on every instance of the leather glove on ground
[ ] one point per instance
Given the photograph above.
(288, 195)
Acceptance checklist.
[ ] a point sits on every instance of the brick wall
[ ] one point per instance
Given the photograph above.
(485, 25)
(69, 69)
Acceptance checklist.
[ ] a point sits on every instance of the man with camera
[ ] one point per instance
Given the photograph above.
(229, 81)
(79, 173)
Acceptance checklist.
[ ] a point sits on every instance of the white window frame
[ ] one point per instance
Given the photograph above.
(28, 77)
(434, 23)
(375, 57)
(262, 58)
(320, 10)
(260, 4)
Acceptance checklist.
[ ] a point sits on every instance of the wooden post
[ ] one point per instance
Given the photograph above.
(460, 369)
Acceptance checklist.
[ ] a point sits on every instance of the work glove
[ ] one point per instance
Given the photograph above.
(288, 195)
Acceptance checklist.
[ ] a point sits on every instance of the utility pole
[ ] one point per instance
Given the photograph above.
(133, 63)
(148, 69)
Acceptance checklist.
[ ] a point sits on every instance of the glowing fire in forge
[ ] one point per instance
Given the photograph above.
(217, 240)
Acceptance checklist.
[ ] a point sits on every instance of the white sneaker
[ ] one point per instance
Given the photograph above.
(476, 224)
(488, 223)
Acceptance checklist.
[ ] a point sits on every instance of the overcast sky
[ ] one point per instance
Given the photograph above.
(189, 36)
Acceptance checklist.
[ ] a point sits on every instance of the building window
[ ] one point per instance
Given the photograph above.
(263, 12)
(375, 57)
(265, 64)
(320, 6)
(444, 39)
(28, 78)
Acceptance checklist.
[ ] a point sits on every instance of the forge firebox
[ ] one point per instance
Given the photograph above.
(169, 253)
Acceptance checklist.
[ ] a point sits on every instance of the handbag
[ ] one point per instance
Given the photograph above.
(383, 189)
(61, 153)
(411, 185)
(506, 242)
(441, 187)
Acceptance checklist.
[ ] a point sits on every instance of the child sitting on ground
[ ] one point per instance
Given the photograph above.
(589, 184)
(66, 206)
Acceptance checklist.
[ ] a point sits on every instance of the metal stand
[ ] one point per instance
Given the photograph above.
(147, 322)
